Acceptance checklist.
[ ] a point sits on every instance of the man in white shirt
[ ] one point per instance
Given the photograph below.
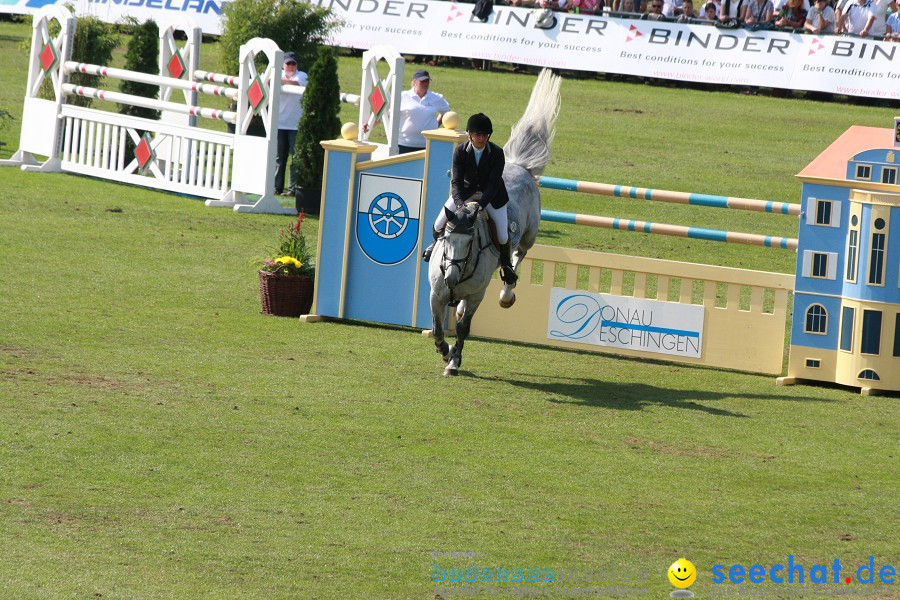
(820, 18)
(858, 18)
(420, 110)
(289, 113)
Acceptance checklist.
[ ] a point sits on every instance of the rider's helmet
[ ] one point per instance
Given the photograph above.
(479, 123)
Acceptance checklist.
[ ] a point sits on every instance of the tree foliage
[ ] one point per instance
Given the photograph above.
(95, 42)
(321, 105)
(142, 56)
(295, 25)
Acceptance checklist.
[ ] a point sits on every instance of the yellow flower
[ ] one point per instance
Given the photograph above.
(289, 260)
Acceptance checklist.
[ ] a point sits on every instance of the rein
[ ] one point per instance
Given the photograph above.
(465, 261)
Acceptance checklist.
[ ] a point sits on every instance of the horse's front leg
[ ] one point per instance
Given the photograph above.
(463, 325)
(438, 309)
(455, 358)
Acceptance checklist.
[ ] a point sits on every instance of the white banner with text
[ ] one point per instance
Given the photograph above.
(699, 53)
(625, 322)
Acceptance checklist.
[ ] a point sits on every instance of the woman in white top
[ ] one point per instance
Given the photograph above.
(420, 110)
(289, 113)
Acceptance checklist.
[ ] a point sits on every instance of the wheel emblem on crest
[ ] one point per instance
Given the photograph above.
(388, 215)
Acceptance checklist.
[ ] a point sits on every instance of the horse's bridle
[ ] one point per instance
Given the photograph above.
(445, 263)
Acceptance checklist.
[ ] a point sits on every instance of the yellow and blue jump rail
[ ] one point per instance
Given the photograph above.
(638, 193)
(699, 233)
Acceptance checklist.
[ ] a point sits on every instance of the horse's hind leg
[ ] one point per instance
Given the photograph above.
(507, 295)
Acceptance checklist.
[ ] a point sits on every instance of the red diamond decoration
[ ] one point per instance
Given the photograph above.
(48, 57)
(633, 31)
(257, 94)
(144, 153)
(454, 11)
(378, 100)
(176, 65)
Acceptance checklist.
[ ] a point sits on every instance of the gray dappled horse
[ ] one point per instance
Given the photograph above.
(465, 258)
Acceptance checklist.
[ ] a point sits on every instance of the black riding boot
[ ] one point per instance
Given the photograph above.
(426, 255)
(507, 273)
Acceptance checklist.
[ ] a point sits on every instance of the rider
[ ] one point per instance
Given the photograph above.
(477, 176)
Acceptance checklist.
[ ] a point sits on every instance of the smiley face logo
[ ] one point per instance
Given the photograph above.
(682, 573)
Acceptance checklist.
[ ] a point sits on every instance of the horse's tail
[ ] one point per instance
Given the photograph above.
(529, 143)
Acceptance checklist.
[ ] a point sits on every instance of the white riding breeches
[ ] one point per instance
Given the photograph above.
(498, 215)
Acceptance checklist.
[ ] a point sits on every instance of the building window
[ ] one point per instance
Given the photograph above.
(823, 212)
(864, 172)
(869, 374)
(820, 265)
(847, 328)
(889, 175)
(852, 249)
(876, 259)
(897, 336)
(871, 332)
(813, 363)
(816, 319)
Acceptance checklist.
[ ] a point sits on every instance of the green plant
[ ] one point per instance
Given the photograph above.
(321, 105)
(292, 24)
(95, 42)
(141, 56)
(292, 255)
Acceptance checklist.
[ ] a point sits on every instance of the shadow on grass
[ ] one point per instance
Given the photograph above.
(625, 396)
(628, 396)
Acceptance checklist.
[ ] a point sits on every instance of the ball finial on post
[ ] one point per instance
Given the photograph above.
(450, 120)
(350, 131)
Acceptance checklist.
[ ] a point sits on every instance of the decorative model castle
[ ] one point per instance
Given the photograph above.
(846, 325)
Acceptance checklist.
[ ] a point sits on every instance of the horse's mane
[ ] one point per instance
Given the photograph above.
(530, 140)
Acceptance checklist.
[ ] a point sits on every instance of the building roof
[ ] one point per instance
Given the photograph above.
(832, 163)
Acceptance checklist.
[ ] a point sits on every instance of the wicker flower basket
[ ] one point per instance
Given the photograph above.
(285, 295)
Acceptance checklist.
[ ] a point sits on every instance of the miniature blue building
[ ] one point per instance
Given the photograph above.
(846, 325)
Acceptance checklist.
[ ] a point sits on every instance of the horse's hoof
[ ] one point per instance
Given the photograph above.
(452, 369)
(507, 303)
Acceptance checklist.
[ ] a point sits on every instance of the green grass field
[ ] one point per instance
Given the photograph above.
(160, 438)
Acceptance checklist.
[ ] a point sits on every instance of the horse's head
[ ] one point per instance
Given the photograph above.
(458, 239)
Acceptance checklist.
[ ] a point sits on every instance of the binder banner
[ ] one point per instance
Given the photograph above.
(701, 53)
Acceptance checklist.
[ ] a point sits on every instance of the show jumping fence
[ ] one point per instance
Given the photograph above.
(639, 193)
(735, 318)
(232, 169)
(707, 200)
(744, 311)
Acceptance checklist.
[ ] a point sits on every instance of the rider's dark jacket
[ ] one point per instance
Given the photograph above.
(485, 177)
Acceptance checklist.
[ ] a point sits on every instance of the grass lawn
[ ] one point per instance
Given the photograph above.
(159, 438)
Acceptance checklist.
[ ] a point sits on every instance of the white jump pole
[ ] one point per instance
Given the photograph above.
(137, 77)
(199, 111)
